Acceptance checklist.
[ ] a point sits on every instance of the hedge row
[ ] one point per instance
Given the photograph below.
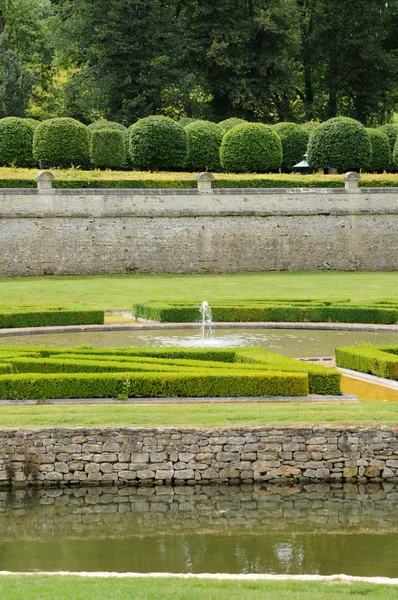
(381, 361)
(42, 372)
(265, 311)
(29, 318)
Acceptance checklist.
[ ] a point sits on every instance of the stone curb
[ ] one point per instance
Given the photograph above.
(389, 383)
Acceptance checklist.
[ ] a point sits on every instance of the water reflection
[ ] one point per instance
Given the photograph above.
(316, 528)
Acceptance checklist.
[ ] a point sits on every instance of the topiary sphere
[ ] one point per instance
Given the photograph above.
(157, 143)
(107, 148)
(33, 122)
(105, 125)
(186, 121)
(203, 146)
(294, 140)
(61, 142)
(391, 131)
(381, 154)
(340, 143)
(252, 147)
(310, 125)
(16, 142)
(228, 124)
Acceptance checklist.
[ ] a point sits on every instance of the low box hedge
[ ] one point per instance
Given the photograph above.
(41, 318)
(45, 372)
(381, 361)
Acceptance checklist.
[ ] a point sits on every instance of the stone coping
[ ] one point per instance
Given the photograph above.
(152, 325)
(382, 381)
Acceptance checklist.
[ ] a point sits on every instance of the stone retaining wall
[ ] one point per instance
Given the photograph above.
(72, 232)
(189, 456)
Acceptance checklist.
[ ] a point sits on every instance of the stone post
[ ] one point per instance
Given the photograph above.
(204, 182)
(351, 180)
(44, 180)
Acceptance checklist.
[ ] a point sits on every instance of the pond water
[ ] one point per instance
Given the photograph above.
(319, 529)
(295, 343)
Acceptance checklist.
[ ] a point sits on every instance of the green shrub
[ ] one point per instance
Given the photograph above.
(395, 155)
(61, 143)
(186, 121)
(391, 131)
(16, 142)
(33, 122)
(228, 124)
(375, 360)
(157, 143)
(340, 143)
(103, 124)
(107, 148)
(381, 154)
(28, 318)
(310, 126)
(203, 146)
(294, 140)
(252, 147)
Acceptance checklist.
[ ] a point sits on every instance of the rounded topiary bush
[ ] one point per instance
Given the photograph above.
(228, 124)
(105, 125)
(294, 140)
(251, 147)
(61, 142)
(310, 125)
(391, 131)
(16, 142)
(107, 148)
(340, 143)
(186, 121)
(203, 146)
(381, 154)
(157, 143)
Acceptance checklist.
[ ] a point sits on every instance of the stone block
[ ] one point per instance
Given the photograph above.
(184, 474)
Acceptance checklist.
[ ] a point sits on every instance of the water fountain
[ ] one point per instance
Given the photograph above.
(207, 319)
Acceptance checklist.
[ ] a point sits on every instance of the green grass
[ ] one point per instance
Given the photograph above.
(44, 587)
(202, 415)
(120, 292)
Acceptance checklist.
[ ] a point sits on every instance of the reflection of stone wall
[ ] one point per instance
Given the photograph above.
(84, 513)
(68, 232)
(189, 456)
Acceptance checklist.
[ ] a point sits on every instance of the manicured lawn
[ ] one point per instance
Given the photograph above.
(202, 415)
(39, 587)
(122, 291)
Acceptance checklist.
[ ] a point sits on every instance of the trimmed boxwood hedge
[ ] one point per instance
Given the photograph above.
(42, 372)
(203, 146)
(157, 143)
(61, 142)
(252, 147)
(340, 143)
(29, 318)
(294, 140)
(381, 361)
(107, 148)
(381, 154)
(16, 142)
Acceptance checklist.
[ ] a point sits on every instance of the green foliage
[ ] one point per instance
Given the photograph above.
(395, 155)
(203, 143)
(16, 142)
(107, 148)
(294, 140)
(61, 143)
(103, 124)
(310, 126)
(251, 147)
(381, 154)
(381, 361)
(391, 131)
(43, 318)
(339, 143)
(157, 143)
(228, 124)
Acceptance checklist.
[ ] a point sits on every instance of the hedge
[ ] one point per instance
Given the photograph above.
(341, 143)
(251, 147)
(157, 143)
(29, 318)
(272, 311)
(381, 361)
(16, 142)
(381, 154)
(61, 143)
(294, 140)
(228, 124)
(45, 372)
(203, 146)
(107, 148)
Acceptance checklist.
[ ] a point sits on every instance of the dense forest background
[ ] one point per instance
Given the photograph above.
(261, 60)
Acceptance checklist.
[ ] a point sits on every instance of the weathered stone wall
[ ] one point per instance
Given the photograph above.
(188, 456)
(68, 232)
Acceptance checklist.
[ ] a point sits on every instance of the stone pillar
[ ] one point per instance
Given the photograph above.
(351, 180)
(44, 180)
(204, 182)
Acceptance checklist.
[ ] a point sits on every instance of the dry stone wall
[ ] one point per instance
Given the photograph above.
(146, 456)
(70, 232)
